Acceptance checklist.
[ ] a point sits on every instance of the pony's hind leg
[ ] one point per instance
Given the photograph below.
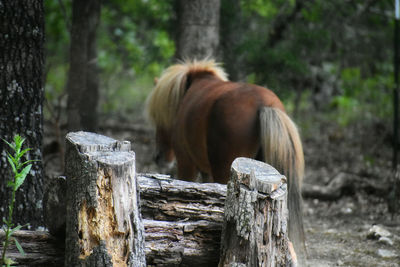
(186, 169)
(206, 178)
(221, 171)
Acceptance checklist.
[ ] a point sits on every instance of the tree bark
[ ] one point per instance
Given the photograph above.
(82, 84)
(41, 249)
(183, 221)
(198, 35)
(54, 206)
(232, 32)
(21, 98)
(255, 226)
(104, 224)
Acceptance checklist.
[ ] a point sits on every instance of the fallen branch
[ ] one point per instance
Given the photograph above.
(344, 184)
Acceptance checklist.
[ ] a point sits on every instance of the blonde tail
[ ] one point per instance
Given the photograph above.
(283, 150)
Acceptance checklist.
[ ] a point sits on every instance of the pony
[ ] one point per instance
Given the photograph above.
(206, 121)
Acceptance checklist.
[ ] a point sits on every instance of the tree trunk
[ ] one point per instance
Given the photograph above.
(21, 98)
(104, 224)
(82, 85)
(255, 226)
(198, 35)
(232, 31)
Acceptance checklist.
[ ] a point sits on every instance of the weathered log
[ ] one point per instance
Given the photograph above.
(166, 199)
(255, 226)
(41, 249)
(183, 221)
(103, 225)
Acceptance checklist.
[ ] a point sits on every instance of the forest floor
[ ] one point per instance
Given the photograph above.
(336, 230)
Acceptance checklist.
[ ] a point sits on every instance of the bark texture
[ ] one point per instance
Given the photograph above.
(198, 35)
(255, 226)
(83, 82)
(104, 225)
(232, 32)
(21, 98)
(41, 249)
(55, 206)
(183, 221)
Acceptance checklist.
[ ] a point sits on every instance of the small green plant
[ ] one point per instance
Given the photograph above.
(20, 170)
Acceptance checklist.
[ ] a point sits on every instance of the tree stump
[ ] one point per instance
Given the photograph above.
(255, 227)
(104, 225)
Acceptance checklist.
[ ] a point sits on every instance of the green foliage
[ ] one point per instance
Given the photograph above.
(286, 45)
(363, 98)
(351, 37)
(20, 170)
(134, 45)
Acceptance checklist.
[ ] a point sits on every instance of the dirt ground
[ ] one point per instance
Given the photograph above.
(336, 231)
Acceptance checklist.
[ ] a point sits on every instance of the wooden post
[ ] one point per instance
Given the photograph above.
(104, 225)
(255, 226)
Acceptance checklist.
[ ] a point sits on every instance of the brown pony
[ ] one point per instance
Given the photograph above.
(206, 121)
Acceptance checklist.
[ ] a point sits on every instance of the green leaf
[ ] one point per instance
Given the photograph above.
(9, 261)
(10, 160)
(24, 151)
(29, 161)
(10, 145)
(20, 177)
(18, 140)
(19, 247)
(17, 228)
(10, 184)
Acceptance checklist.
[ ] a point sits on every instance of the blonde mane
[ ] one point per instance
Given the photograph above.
(163, 102)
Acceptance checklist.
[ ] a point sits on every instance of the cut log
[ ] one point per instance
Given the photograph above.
(103, 225)
(255, 226)
(41, 249)
(183, 221)
(166, 199)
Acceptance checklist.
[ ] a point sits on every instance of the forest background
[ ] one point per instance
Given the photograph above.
(335, 57)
